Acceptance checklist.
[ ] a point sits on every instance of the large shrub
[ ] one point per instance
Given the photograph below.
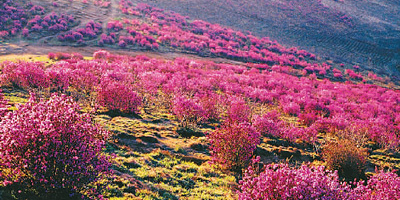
(233, 145)
(49, 149)
(279, 181)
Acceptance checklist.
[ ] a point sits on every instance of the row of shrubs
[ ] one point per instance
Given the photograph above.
(51, 22)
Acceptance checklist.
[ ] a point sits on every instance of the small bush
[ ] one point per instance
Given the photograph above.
(188, 111)
(233, 145)
(50, 150)
(101, 54)
(346, 158)
(118, 96)
(291, 108)
(269, 124)
(238, 110)
(62, 56)
(51, 56)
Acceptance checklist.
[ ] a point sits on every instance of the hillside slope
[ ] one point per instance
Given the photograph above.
(341, 36)
(348, 31)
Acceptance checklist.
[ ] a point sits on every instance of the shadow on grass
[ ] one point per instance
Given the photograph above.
(117, 113)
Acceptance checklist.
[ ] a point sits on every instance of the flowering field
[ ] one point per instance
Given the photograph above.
(234, 116)
(200, 116)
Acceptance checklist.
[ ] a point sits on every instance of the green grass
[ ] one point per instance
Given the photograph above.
(169, 177)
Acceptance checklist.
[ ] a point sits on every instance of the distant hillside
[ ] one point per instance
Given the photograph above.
(364, 32)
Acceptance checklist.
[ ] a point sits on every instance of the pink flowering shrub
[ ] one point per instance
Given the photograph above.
(291, 108)
(209, 102)
(58, 78)
(101, 54)
(337, 73)
(238, 110)
(233, 145)
(188, 111)
(62, 56)
(115, 25)
(24, 74)
(49, 149)
(269, 124)
(354, 75)
(51, 55)
(382, 185)
(3, 105)
(118, 96)
(107, 39)
(279, 181)
(373, 76)
(307, 118)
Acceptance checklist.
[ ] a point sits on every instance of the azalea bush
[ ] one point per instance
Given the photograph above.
(188, 111)
(233, 145)
(269, 124)
(50, 150)
(117, 96)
